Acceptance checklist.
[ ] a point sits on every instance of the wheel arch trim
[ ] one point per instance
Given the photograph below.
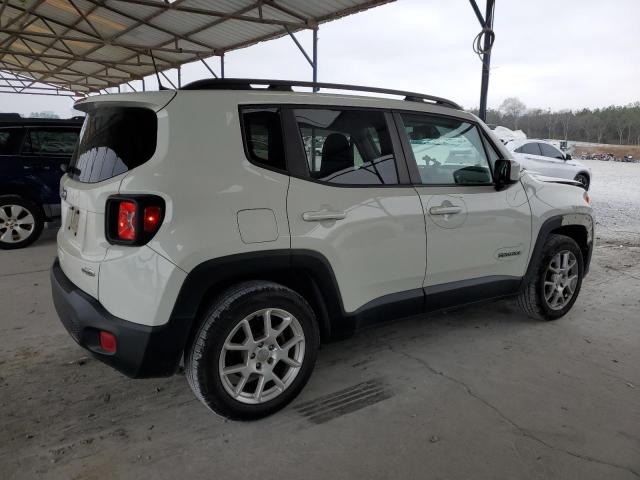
(554, 224)
(291, 268)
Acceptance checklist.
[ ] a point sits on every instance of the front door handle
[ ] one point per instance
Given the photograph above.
(444, 210)
(323, 215)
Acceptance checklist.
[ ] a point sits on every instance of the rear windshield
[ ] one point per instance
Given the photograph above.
(113, 140)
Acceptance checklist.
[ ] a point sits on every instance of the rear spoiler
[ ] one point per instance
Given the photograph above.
(155, 101)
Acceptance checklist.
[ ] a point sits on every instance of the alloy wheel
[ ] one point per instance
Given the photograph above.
(262, 356)
(16, 223)
(561, 280)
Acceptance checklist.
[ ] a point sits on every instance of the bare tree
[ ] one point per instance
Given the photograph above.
(612, 125)
(601, 129)
(551, 120)
(513, 107)
(596, 128)
(620, 126)
(565, 121)
(44, 114)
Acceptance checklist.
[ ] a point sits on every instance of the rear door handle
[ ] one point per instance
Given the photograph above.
(444, 210)
(322, 215)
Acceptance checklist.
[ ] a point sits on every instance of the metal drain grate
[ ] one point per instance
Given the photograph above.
(345, 401)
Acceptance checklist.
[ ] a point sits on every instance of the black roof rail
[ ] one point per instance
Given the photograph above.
(286, 85)
(25, 121)
(10, 116)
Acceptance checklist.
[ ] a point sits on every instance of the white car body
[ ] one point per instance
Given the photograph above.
(370, 249)
(545, 158)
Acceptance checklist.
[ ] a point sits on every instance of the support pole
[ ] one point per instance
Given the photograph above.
(486, 61)
(204, 62)
(222, 65)
(315, 58)
(179, 77)
(313, 61)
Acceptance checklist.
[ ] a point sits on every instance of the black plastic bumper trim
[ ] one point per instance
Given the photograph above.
(142, 351)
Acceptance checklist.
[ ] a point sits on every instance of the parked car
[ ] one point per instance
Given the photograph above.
(543, 157)
(200, 226)
(32, 152)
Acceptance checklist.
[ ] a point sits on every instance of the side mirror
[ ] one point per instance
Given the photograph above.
(567, 156)
(506, 172)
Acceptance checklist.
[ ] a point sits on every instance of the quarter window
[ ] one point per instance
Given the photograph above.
(447, 151)
(263, 137)
(347, 146)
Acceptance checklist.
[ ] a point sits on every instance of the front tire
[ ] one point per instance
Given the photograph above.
(21, 222)
(554, 286)
(254, 350)
(583, 179)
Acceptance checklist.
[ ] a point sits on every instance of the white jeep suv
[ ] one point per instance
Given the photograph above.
(232, 229)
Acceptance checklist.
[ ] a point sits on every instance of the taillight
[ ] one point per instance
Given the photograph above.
(127, 220)
(133, 219)
(151, 218)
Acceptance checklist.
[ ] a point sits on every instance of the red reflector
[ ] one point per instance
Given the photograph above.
(107, 342)
(127, 221)
(151, 218)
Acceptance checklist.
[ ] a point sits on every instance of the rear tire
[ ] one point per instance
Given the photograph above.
(552, 290)
(254, 350)
(21, 222)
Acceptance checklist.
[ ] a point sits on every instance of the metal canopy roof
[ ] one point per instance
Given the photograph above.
(75, 47)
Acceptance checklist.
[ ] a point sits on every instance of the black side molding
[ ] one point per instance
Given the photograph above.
(464, 292)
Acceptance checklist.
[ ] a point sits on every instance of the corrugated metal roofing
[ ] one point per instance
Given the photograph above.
(76, 47)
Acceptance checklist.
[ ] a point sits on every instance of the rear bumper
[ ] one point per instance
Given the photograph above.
(142, 351)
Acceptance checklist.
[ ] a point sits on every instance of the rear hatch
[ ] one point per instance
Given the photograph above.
(118, 135)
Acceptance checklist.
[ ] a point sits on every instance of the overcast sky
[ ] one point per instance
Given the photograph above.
(549, 53)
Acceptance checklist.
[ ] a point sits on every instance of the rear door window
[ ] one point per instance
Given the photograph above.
(347, 146)
(113, 140)
(50, 141)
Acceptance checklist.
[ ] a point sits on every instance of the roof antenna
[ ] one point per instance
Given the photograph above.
(155, 67)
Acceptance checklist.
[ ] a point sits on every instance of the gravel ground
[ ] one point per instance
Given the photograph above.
(615, 196)
(482, 393)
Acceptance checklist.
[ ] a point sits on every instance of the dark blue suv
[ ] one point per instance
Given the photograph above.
(32, 152)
